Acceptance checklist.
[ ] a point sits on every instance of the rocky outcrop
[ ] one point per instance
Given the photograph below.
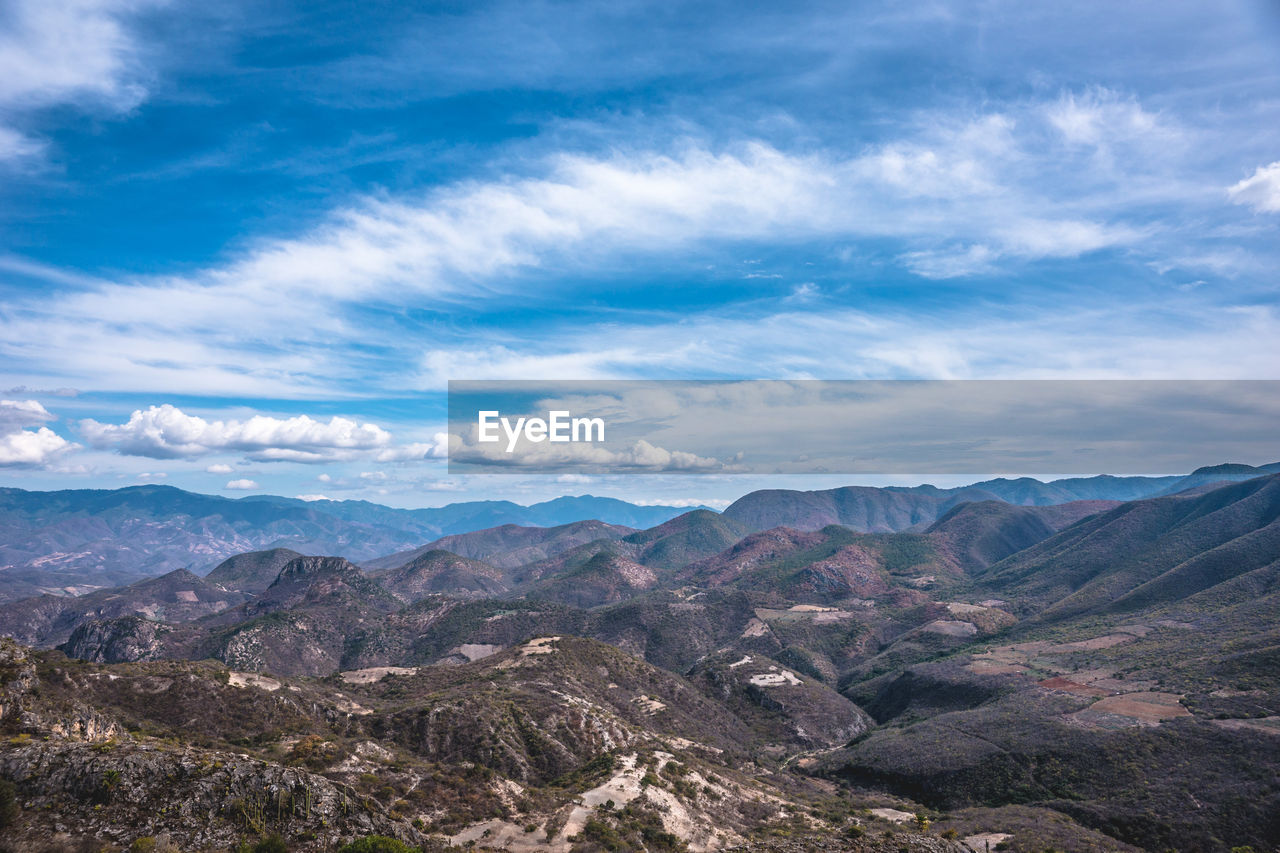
(117, 640)
(201, 799)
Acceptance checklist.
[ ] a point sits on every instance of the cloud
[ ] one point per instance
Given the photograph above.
(1077, 339)
(219, 469)
(25, 448)
(713, 503)
(15, 414)
(1261, 191)
(166, 432)
(80, 52)
(31, 449)
(308, 498)
(437, 448)
(16, 148)
(241, 485)
(1100, 117)
(640, 456)
(958, 196)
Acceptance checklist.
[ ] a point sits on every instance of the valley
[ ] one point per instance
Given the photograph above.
(1062, 666)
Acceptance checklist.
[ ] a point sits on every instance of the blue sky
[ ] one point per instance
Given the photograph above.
(246, 244)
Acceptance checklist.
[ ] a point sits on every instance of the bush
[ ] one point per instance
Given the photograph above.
(376, 844)
(8, 803)
(272, 844)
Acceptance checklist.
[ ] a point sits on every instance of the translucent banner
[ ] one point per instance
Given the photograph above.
(860, 426)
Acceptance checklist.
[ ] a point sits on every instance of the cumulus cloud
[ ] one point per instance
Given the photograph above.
(241, 485)
(15, 414)
(437, 448)
(26, 448)
(219, 469)
(166, 432)
(1261, 191)
(639, 456)
(31, 448)
(310, 498)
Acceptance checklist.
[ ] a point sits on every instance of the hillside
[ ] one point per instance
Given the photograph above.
(66, 542)
(555, 743)
(441, 572)
(1146, 552)
(509, 546)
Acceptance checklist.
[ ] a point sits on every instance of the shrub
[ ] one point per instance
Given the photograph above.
(8, 803)
(272, 844)
(376, 844)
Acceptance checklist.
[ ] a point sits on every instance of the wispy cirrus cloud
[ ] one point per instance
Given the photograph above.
(959, 195)
(81, 52)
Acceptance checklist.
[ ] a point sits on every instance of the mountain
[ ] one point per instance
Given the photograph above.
(442, 572)
(509, 546)
(985, 532)
(66, 542)
(1147, 552)
(1056, 676)
(684, 539)
(555, 744)
(604, 577)
(1219, 475)
(178, 596)
(252, 572)
(894, 508)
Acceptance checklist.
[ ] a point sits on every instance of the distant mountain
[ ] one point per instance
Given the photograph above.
(895, 508)
(1148, 552)
(1220, 474)
(442, 572)
(606, 571)
(252, 572)
(478, 515)
(605, 577)
(509, 546)
(685, 538)
(178, 596)
(72, 541)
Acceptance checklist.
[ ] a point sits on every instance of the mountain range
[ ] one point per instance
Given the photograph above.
(1011, 671)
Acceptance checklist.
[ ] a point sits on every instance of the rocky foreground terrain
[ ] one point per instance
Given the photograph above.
(1084, 676)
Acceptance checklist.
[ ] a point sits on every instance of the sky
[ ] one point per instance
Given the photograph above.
(244, 246)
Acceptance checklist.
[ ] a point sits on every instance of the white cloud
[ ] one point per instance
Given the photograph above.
(166, 432)
(310, 498)
(713, 503)
(1149, 340)
(32, 449)
(25, 448)
(241, 485)
(1003, 184)
(16, 147)
(81, 52)
(15, 414)
(437, 448)
(219, 469)
(1261, 191)
(1100, 117)
(641, 456)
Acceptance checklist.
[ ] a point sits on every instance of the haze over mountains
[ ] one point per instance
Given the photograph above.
(76, 540)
